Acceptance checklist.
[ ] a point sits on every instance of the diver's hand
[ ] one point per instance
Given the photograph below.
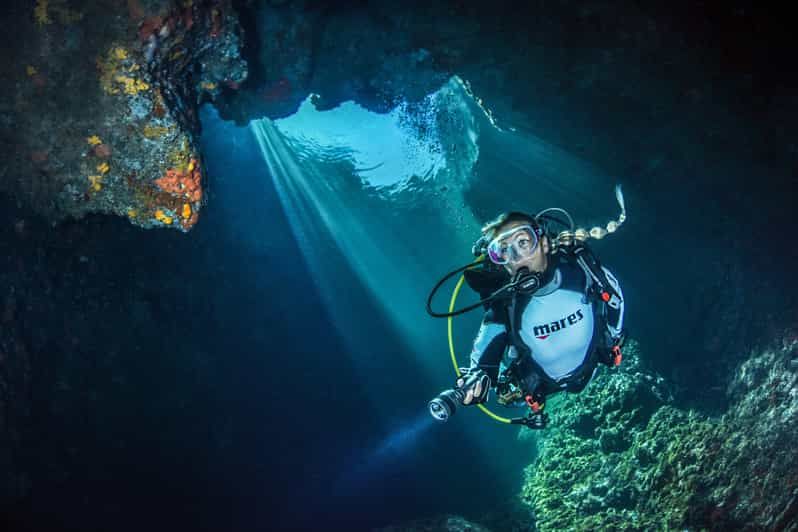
(476, 385)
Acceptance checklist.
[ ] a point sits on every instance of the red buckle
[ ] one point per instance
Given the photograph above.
(534, 405)
(617, 356)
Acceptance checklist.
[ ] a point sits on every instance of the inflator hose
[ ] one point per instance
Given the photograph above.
(455, 292)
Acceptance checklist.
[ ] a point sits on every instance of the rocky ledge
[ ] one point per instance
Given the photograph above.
(103, 116)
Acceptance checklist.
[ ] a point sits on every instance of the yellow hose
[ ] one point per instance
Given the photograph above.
(451, 344)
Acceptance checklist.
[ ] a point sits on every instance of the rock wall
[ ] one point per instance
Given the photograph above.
(623, 455)
(103, 116)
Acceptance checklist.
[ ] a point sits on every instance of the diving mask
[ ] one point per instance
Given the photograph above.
(513, 245)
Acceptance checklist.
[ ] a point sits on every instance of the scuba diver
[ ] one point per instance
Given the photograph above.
(553, 313)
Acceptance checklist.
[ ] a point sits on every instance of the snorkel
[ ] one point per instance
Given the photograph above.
(444, 406)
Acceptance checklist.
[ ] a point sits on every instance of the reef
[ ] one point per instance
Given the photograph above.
(512, 516)
(104, 114)
(623, 455)
(448, 523)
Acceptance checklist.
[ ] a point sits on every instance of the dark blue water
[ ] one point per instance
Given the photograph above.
(203, 378)
(199, 378)
(328, 452)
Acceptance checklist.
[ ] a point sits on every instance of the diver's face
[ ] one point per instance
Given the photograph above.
(536, 261)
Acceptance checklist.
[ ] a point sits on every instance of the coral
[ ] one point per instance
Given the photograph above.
(216, 23)
(43, 9)
(183, 182)
(39, 156)
(131, 86)
(102, 151)
(96, 182)
(135, 112)
(40, 13)
(67, 16)
(622, 456)
(162, 217)
(118, 71)
(153, 132)
(149, 27)
(445, 523)
(135, 10)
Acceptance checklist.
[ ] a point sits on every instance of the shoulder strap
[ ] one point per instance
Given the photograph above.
(600, 287)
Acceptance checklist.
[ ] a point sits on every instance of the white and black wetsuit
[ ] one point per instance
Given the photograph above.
(553, 333)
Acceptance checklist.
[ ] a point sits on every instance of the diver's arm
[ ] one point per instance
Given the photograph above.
(614, 316)
(489, 346)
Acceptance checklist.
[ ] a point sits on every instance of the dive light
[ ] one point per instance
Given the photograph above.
(445, 404)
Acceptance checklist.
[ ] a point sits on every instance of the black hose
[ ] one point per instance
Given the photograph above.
(456, 312)
(520, 278)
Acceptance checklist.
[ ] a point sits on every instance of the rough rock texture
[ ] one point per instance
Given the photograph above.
(623, 455)
(513, 516)
(532, 67)
(447, 523)
(15, 409)
(103, 114)
(98, 115)
(369, 52)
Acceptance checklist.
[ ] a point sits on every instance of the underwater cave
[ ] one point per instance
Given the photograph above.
(221, 222)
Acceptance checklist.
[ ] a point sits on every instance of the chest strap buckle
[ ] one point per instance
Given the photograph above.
(534, 404)
(617, 356)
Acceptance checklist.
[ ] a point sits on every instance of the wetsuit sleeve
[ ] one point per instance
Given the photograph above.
(489, 346)
(614, 316)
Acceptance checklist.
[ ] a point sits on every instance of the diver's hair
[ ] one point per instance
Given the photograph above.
(491, 228)
(542, 221)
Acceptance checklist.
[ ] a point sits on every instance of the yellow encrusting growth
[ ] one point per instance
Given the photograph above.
(103, 168)
(96, 182)
(153, 132)
(180, 157)
(132, 86)
(117, 73)
(40, 13)
(163, 217)
(186, 211)
(132, 213)
(67, 16)
(119, 53)
(31, 70)
(94, 140)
